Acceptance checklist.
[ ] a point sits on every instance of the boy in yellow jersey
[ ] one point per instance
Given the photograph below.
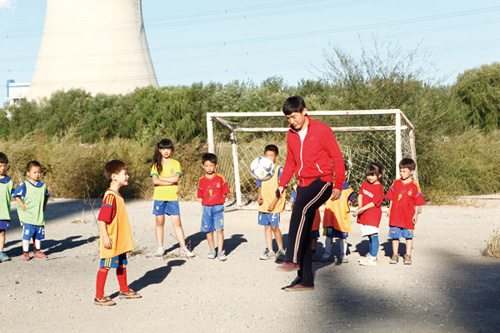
(115, 235)
(270, 208)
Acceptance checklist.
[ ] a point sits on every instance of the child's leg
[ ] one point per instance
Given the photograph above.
(220, 240)
(102, 274)
(121, 274)
(343, 246)
(38, 244)
(374, 245)
(26, 245)
(179, 232)
(278, 236)
(2, 239)
(395, 246)
(210, 240)
(409, 246)
(269, 237)
(314, 244)
(328, 245)
(160, 222)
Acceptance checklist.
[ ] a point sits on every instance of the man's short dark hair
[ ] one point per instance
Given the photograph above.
(32, 164)
(293, 104)
(3, 158)
(407, 163)
(114, 167)
(272, 148)
(209, 157)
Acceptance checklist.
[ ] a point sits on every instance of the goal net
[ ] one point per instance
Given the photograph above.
(382, 136)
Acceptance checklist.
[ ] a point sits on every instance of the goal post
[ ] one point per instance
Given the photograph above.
(364, 136)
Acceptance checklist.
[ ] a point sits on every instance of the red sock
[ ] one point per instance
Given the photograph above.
(121, 274)
(102, 274)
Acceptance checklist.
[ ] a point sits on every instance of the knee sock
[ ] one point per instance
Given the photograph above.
(121, 274)
(102, 274)
(328, 245)
(26, 245)
(38, 244)
(343, 246)
(374, 245)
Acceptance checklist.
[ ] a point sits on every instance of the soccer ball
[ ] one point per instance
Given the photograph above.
(262, 168)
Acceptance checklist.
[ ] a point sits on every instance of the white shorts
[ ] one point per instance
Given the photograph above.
(368, 230)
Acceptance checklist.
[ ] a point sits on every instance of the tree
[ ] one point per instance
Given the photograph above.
(479, 90)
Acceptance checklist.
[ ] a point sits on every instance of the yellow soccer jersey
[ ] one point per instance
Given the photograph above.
(166, 192)
(268, 192)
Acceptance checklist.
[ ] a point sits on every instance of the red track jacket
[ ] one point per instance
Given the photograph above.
(312, 159)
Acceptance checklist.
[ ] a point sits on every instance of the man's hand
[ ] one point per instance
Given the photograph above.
(107, 242)
(279, 192)
(336, 193)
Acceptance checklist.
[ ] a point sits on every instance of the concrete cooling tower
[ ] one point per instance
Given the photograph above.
(96, 45)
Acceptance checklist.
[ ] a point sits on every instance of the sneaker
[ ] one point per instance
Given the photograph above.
(326, 257)
(129, 295)
(184, 252)
(26, 256)
(159, 252)
(3, 257)
(104, 301)
(407, 260)
(369, 261)
(280, 255)
(299, 287)
(344, 259)
(222, 256)
(40, 254)
(394, 259)
(211, 255)
(288, 266)
(268, 254)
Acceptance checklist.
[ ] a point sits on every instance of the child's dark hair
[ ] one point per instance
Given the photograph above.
(157, 158)
(272, 148)
(293, 104)
(209, 157)
(407, 163)
(375, 169)
(114, 167)
(32, 164)
(3, 158)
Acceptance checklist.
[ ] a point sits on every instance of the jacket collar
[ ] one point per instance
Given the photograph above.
(308, 125)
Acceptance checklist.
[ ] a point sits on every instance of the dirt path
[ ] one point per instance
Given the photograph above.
(449, 288)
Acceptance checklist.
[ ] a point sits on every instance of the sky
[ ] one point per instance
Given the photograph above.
(223, 41)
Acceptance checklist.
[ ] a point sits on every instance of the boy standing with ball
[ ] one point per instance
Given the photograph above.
(270, 207)
(311, 151)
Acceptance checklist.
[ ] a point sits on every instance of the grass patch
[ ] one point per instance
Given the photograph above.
(493, 246)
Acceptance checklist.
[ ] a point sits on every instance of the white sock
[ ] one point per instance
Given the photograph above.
(26, 245)
(38, 244)
(328, 245)
(343, 246)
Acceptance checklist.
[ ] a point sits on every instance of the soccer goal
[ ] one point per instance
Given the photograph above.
(364, 136)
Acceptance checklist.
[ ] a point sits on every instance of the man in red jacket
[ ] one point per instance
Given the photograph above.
(311, 149)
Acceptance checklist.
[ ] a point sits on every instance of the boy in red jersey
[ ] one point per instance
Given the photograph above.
(212, 189)
(115, 235)
(313, 168)
(404, 194)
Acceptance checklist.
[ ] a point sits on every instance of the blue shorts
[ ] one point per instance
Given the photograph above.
(166, 207)
(397, 233)
(120, 260)
(4, 224)
(272, 219)
(315, 234)
(33, 231)
(334, 233)
(213, 218)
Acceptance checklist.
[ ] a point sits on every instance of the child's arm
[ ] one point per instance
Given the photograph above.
(364, 209)
(20, 203)
(273, 204)
(260, 199)
(106, 241)
(45, 203)
(389, 210)
(166, 181)
(415, 216)
(360, 203)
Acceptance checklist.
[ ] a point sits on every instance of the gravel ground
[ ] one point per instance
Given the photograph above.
(450, 287)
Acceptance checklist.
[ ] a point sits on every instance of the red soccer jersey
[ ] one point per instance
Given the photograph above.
(371, 193)
(404, 198)
(212, 190)
(108, 209)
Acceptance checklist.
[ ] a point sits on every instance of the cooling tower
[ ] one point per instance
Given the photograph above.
(96, 45)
